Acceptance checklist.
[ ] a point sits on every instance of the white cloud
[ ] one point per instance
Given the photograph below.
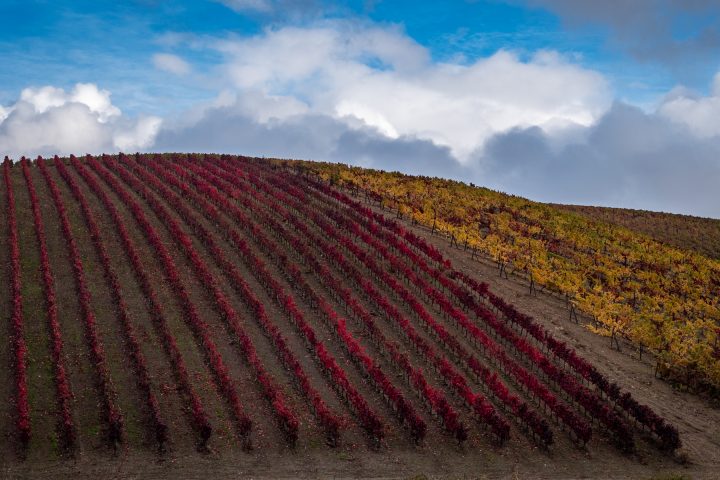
(45, 98)
(49, 120)
(699, 114)
(263, 108)
(384, 78)
(140, 136)
(65, 128)
(367, 115)
(171, 63)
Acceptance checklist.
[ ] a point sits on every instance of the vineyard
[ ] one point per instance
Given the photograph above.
(213, 303)
(659, 299)
(701, 235)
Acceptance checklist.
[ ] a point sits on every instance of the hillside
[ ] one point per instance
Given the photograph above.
(657, 297)
(682, 231)
(185, 315)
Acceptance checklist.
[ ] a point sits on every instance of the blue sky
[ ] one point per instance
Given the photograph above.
(558, 100)
(112, 42)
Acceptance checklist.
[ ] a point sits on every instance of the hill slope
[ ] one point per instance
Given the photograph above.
(660, 298)
(682, 231)
(167, 304)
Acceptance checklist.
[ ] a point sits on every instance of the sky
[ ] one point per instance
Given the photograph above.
(613, 103)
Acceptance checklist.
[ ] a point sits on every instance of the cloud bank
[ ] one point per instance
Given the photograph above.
(384, 79)
(49, 120)
(629, 158)
(542, 126)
